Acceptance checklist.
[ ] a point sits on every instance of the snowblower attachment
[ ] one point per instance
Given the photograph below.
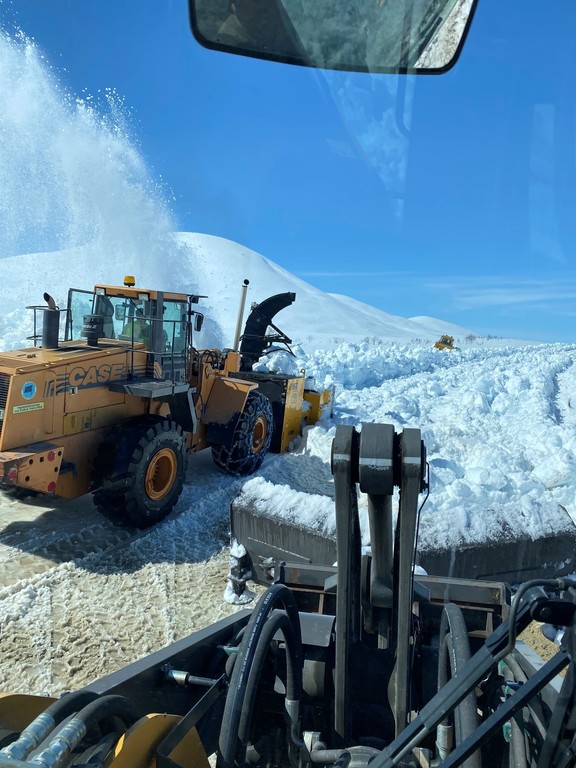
(255, 341)
(294, 404)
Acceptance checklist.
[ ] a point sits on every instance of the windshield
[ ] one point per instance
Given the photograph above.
(129, 319)
(426, 225)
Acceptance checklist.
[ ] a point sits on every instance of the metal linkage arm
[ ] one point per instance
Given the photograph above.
(411, 477)
(345, 450)
(377, 459)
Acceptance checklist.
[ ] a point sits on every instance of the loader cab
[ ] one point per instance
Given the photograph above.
(158, 322)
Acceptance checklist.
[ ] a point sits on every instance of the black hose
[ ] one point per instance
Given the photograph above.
(107, 707)
(277, 595)
(278, 622)
(69, 703)
(97, 754)
(454, 653)
(515, 669)
(518, 757)
(92, 710)
(44, 724)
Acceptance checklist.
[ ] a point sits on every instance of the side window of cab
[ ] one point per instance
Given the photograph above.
(174, 326)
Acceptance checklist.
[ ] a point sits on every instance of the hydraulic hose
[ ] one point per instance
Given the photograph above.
(454, 652)
(518, 758)
(515, 669)
(106, 707)
(278, 622)
(41, 727)
(276, 596)
(74, 731)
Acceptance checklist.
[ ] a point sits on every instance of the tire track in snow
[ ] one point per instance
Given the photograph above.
(100, 610)
(43, 553)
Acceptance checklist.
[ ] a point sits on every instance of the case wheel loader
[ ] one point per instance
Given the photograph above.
(116, 405)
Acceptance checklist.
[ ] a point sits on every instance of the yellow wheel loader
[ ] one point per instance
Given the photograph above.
(445, 342)
(115, 406)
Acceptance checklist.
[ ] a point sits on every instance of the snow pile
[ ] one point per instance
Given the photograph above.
(498, 425)
(317, 319)
(309, 509)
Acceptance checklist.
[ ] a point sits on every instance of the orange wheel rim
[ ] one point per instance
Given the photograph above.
(259, 434)
(160, 474)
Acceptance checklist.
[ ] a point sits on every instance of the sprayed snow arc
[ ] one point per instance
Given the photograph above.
(76, 601)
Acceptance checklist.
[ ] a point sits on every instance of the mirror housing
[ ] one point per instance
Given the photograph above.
(380, 36)
(198, 321)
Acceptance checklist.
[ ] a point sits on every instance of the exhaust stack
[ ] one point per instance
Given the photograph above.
(236, 344)
(50, 323)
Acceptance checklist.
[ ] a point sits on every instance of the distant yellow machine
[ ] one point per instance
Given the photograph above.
(445, 342)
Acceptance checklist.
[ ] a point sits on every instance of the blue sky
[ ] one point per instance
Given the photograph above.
(463, 208)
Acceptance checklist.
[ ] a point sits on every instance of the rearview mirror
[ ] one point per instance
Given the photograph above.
(198, 321)
(389, 36)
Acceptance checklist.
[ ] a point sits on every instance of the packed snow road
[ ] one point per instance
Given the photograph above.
(79, 598)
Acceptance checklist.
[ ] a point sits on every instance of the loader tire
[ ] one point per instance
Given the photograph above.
(251, 439)
(140, 471)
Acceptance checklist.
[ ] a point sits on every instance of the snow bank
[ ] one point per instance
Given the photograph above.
(498, 425)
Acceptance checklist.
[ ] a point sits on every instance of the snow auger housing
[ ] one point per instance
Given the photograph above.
(115, 406)
(363, 664)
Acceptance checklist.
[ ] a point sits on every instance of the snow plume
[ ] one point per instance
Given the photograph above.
(71, 177)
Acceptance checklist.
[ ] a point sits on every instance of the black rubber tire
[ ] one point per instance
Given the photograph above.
(251, 440)
(140, 471)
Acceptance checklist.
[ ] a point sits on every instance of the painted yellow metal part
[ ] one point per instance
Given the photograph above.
(227, 397)
(137, 747)
(320, 405)
(35, 467)
(293, 416)
(17, 710)
(132, 292)
(445, 342)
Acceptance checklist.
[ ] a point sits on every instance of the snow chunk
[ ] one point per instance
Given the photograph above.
(307, 509)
